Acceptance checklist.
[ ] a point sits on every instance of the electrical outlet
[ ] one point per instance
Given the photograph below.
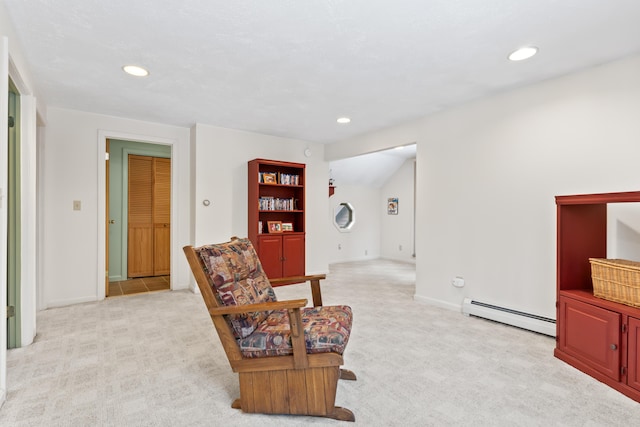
(458, 282)
(400, 248)
(339, 246)
(77, 205)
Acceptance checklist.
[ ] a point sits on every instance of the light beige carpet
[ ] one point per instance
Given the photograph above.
(154, 360)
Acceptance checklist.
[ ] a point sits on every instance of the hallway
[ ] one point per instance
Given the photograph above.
(139, 285)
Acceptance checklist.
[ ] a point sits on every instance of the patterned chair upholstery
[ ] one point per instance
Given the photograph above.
(287, 355)
(236, 277)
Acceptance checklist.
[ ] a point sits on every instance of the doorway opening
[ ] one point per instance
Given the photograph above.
(138, 206)
(378, 231)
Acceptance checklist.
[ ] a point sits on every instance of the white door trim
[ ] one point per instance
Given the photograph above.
(4, 113)
(103, 135)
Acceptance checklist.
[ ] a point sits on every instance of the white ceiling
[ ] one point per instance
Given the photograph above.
(291, 67)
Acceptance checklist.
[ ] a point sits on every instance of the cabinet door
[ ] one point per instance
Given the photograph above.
(592, 335)
(633, 370)
(293, 253)
(270, 254)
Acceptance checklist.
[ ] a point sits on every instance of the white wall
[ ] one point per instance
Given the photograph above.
(220, 168)
(623, 231)
(362, 241)
(493, 220)
(487, 174)
(397, 231)
(73, 241)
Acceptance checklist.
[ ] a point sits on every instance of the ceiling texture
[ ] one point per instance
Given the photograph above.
(290, 68)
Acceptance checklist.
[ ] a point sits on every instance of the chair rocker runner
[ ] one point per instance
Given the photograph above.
(287, 356)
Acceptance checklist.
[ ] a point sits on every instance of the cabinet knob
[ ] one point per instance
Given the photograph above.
(613, 347)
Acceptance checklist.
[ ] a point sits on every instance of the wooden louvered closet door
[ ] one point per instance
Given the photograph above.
(149, 223)
(162, 217)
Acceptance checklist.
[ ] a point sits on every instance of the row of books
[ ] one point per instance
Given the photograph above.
(278, 178)
(277, 204)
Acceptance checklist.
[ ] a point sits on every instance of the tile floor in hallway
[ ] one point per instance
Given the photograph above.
(139, 285)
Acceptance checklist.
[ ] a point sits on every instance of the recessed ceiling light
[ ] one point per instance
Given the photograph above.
(343, 120)
(135, 70)
(523, 53)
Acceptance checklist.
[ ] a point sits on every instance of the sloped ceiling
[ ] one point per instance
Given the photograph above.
(373, 169)
(291, 67)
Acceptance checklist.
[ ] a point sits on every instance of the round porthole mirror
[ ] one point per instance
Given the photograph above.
(344, 217)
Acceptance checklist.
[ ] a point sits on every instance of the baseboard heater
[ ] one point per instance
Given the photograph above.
(531, 322)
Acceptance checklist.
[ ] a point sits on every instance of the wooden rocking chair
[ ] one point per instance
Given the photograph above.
(288, 356)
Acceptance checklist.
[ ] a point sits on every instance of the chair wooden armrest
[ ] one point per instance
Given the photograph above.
(300, 359)
(315, 285)
(296, 279)
(252, 308)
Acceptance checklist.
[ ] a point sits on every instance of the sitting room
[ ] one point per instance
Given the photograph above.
(445, 170)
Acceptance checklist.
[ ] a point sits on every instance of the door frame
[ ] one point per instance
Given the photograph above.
(14, 229)
(29, 195)
(124, 251)
(103, 135)
(4, 113)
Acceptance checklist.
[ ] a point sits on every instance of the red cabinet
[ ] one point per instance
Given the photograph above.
(599, 337)
(282, 255)
(277, 196)
(591, 334)
(293, 255)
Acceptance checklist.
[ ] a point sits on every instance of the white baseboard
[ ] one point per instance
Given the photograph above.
(438, 303)
(405, 260)
(356, 259)
(71, 301)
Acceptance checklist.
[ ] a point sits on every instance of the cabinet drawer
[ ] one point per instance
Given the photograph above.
(591, 334)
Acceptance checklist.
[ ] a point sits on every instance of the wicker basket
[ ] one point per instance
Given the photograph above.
(616, 280)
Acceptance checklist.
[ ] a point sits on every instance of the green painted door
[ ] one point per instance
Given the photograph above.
(13, 220)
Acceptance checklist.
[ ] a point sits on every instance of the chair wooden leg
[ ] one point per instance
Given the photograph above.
(346, 374)
(342, 414)
(310, 391)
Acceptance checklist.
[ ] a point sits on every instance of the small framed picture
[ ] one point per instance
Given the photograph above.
(269, 178)
(392, 206)
(274, 226)
(287, 226)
